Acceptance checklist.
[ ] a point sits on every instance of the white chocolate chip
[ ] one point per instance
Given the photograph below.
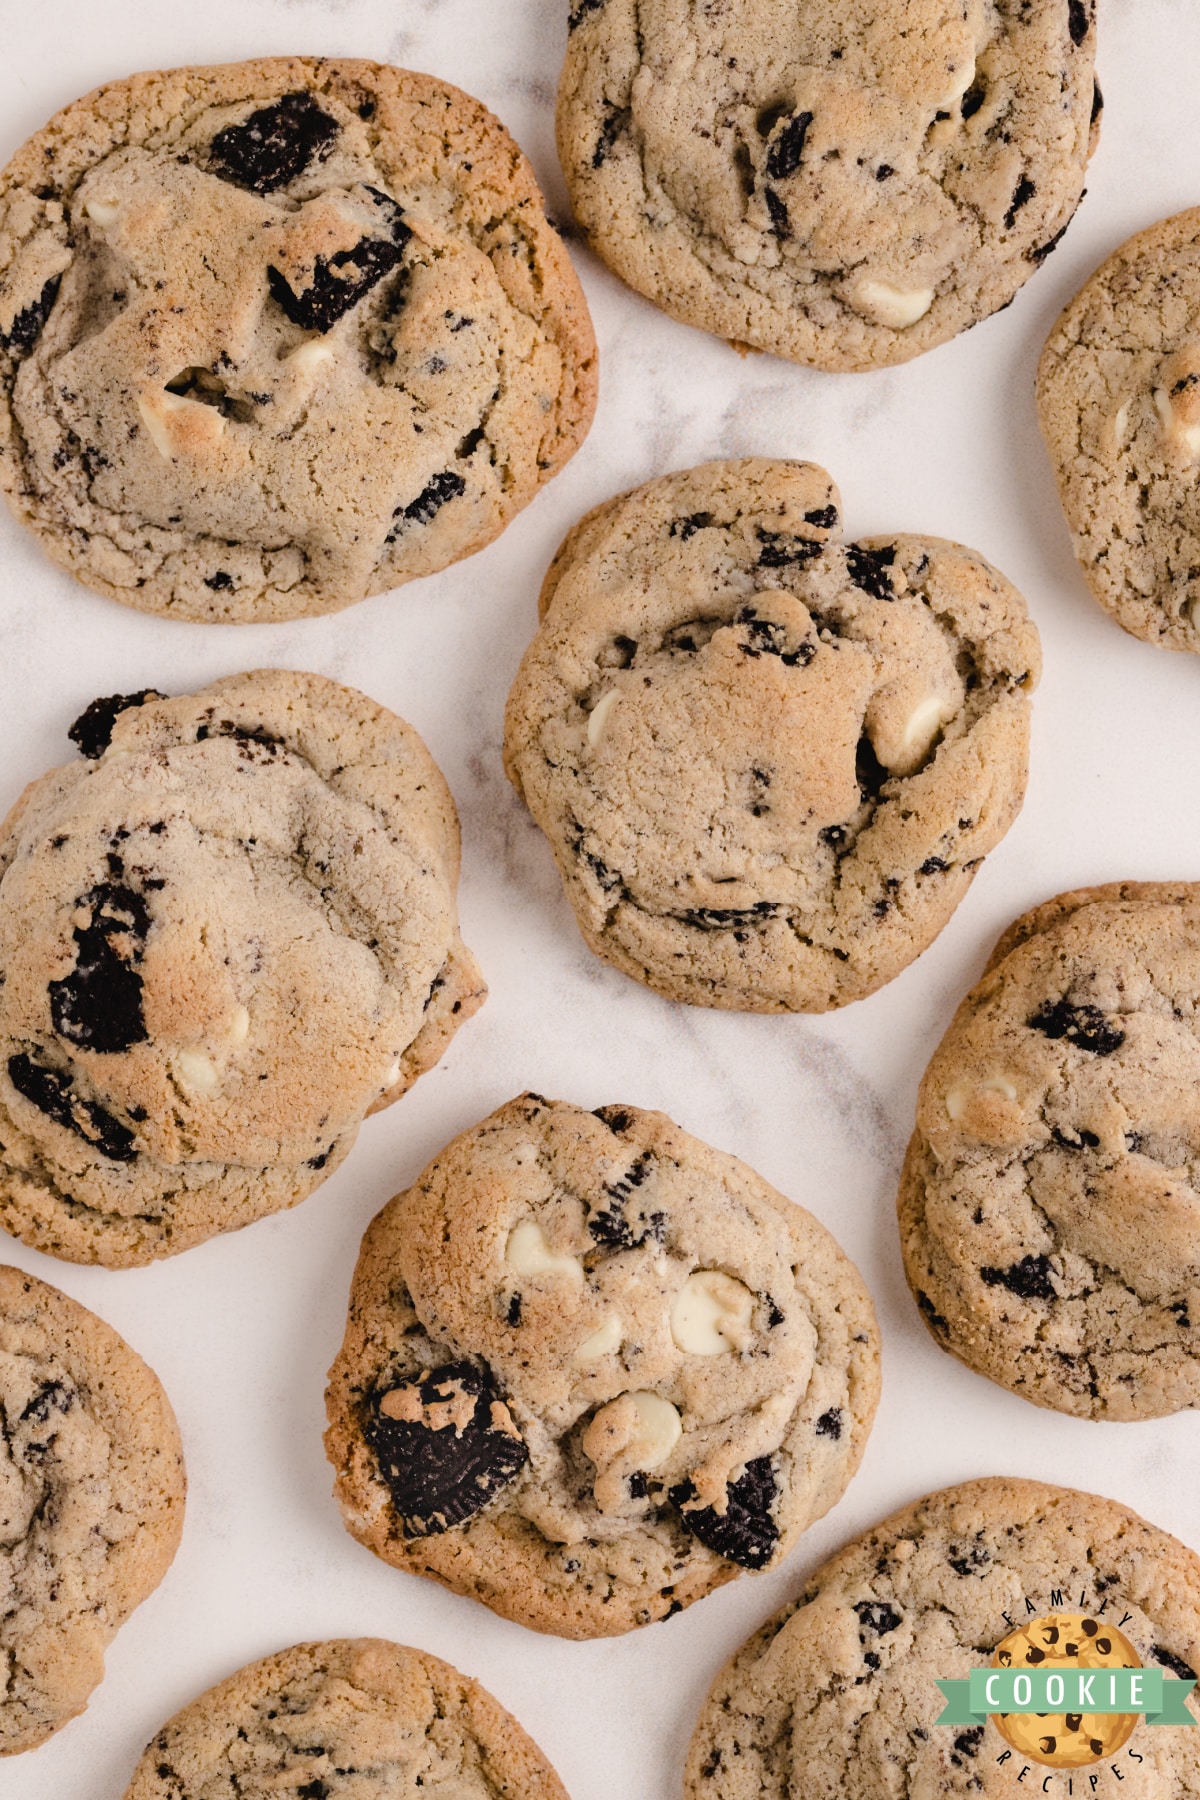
(198, 1071)
(711, 1315)
(999, 1084)
(599, 715)
(1179, 432)
(239, 1026)
(957, 1098)
(960, 80)
(309, 357)
(643, 1429)
(892, 306)
(391, 1077)
(528, 1253)
(1120, 424)
(103, 212)
(956, 1103)
(923, 723)
(178, 425)
(604, 1341)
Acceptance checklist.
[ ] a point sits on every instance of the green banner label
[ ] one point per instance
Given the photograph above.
(1069, 1690)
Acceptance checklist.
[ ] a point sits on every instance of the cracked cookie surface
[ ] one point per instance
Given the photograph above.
(352, 1719)
(844, 185)
(227, 933)
(768, 762)
(277, 335)
(91, 1501)
(1048, 1206)
(593, 1368)
(835, 1698)
(1119, 400)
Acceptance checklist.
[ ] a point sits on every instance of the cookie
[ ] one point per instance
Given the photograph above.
(355, 1719)
(227, 933)
(842, 185)
(768, 762)
(594, 1368)
(91, 1500)
(1118, 395)
(836, 1697)
(1048, 1203)
(280, 334)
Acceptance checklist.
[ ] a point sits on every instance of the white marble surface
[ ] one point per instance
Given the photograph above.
(242, 1330)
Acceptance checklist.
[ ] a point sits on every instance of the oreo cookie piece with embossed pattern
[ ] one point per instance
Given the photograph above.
(226, 935)
(594, 1368)
(353, 1719)
(1048, 1207)
(91, 1499)
(837, 1696)
(278, 335)
(768, 762)
(846, 184)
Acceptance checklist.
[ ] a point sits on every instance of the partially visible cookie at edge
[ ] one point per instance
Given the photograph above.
(1048, 1208)
(594, 1368)
(92, 1484)
(356, 1717)
(1118, 394)
(768, 762)
(280, 334)
(837, 1696)
(843, 185)
(228, 931)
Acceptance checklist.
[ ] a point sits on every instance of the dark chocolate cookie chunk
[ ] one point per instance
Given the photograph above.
(446, 1445)
(275, 144)
(92, 731)
(745, 1532)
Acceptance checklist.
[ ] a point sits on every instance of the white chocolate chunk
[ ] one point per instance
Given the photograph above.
(599, 716)
(711, 1315)
(197, 1071)
(892, 306)
(103, 212)
(528, 1253)
(239, 1026)
(923, 723)
(604, 1341)
(959, 81)
(1120, 424)
(179, 426)
(391, 1077)
(309, 357)
(1180, 434)
(957, 1098)
(640, 1428)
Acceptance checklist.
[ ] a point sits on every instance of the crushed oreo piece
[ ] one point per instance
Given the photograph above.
(429, 502)
(99, 1004)
(745, 1533)
(52, 1396)
(445, 1444)
(830, 1423)
(626, 1223)
(53, 1092)
(726, 918)
(580, 11)
(868, 570)
(877, 1616)
(92, 731)
(766, 637)
(781, 223)
(932, 1316)
(274, 145)
(615, 120)
(1083, 1026)
(781, 548)
(1078, 21)
(969, 1562)
(783, 158)
(1028, 1279)
(688, 527)
(1022, 194)
(340, 281)
(824, 516)
(1176, 1664)
(27, 324)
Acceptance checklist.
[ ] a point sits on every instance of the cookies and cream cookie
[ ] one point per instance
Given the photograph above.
(227, 933)
(91, 1501)
(843, 184)
(1048, 1207)
(594, 1368)
(353, 1719)
(1119, 400)
(837, 1696)
(768, 761)
(280, 334)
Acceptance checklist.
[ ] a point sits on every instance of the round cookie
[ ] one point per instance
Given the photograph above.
(91, 1500)
(227, 933)
(1118, 395)
(1061, 1641)
(354, 1719)
(1047, 1207)
(844, 185)
(768, 762)
(836, 1697)
(280, 334)
(593, 1368)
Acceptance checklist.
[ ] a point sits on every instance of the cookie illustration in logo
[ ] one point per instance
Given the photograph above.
(1064, 1641)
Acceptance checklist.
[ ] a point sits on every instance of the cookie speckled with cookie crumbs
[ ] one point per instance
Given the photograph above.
(227, 933)
(768, 762)
(594, 1368)
(278, 335)
(844, 184)
(836, 1697)
(1049, 1211)
(354, 1719)
(91, 1499)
